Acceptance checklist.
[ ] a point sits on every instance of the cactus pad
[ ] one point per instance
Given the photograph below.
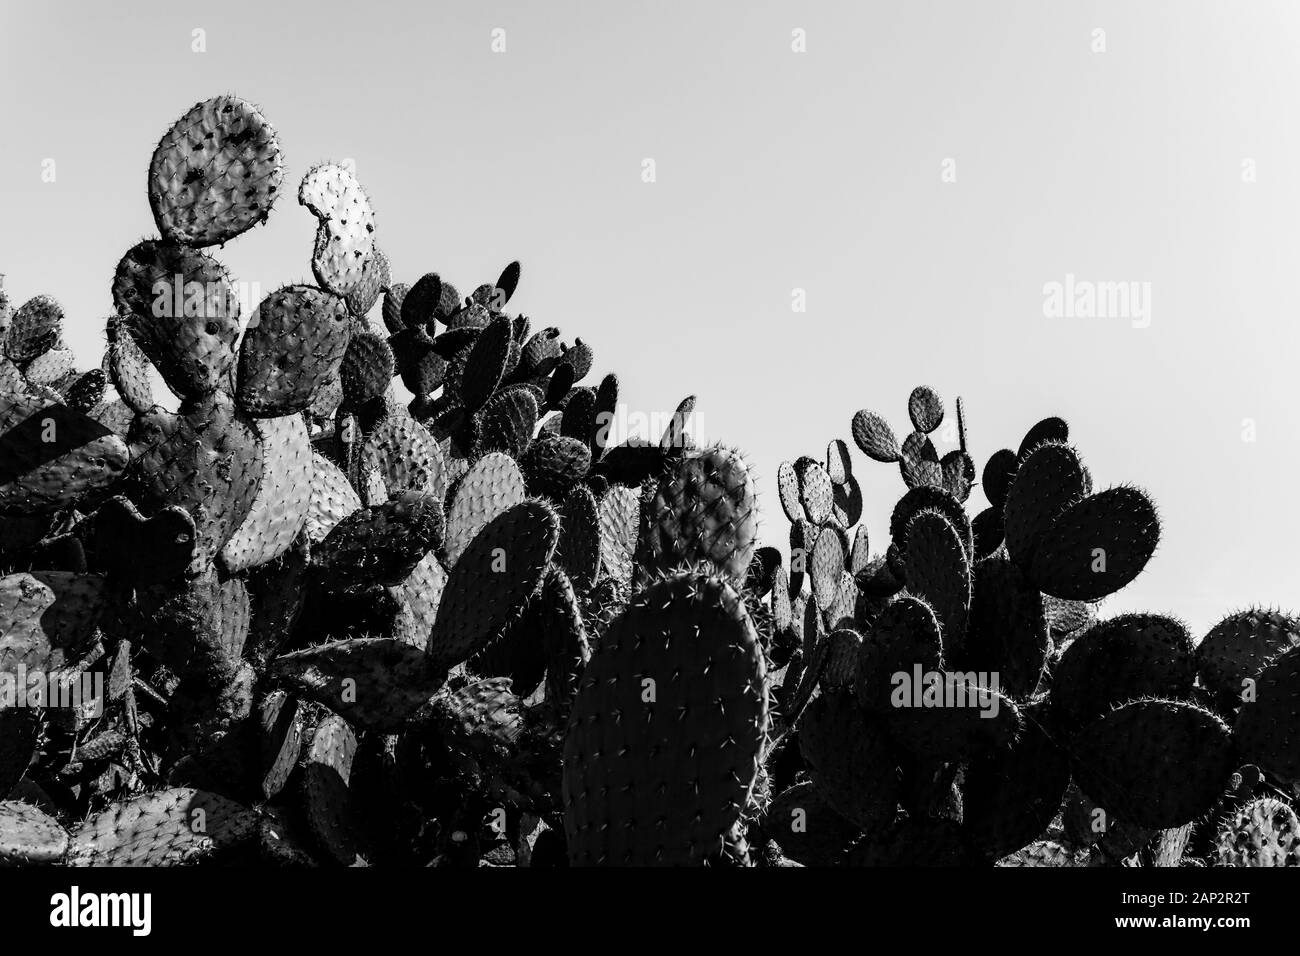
(206, 460)
(1122, 659)
(35, 328)
(704, 510)
(383, 543)
(29, 836)
(492, 485)
(51, 456)
(666, 732)
(406, 457)
(1155, 763)
(1241, 645)
(294, 344)
(375, 684)
(167, 828)
(182, 310)
(502, 567)
(215, 173)
(283, 497)
(1268, 728)
(1265, 832)
(925, 409)
(851, 760)
(873, 435)
(345, 237)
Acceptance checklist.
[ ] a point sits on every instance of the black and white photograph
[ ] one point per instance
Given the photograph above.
(849, 436)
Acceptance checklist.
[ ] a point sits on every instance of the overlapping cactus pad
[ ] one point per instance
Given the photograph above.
(313, 624)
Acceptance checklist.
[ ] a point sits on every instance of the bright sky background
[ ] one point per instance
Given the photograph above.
(776, 171)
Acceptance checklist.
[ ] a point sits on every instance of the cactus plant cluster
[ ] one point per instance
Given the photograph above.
(325, 626)
(1090, 741)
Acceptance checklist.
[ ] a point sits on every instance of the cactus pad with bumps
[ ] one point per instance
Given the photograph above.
(215, 173)
(1156, 763)
(167, 828)
(664, 740)
(182, 310)
(29, 836)
(502, 567)
(704, 509)
(294, 344)
(345, 236)
(283, 497)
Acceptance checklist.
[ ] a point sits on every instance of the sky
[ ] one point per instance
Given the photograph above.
(848, 199)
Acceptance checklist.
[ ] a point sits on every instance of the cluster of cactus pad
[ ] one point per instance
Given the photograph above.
(325, 627)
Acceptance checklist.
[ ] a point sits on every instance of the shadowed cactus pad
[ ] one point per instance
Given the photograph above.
(1123, 659)
(553, 464)
(851, 760)
(47, 618)
(1074, 544)
(919, 461)
(52, 456)
(664, 740)
(1241, 645)
(1007, 630)
(366, 369)
(1268, 727)
(806, 827)
(938, 571)
(1010, 796)
(206, 459)
(502, 567)
(509, 420)
(1156, 763)
(327, 796)
(375, 684)
(704, 509)
(381, 544)
(1044, 486)
(143, 550)
(374, 279)
(182, 310)
(1097, 546)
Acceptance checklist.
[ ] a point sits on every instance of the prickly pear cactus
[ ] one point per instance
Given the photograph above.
(667, 729)
(383, 590)
(704, 509)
